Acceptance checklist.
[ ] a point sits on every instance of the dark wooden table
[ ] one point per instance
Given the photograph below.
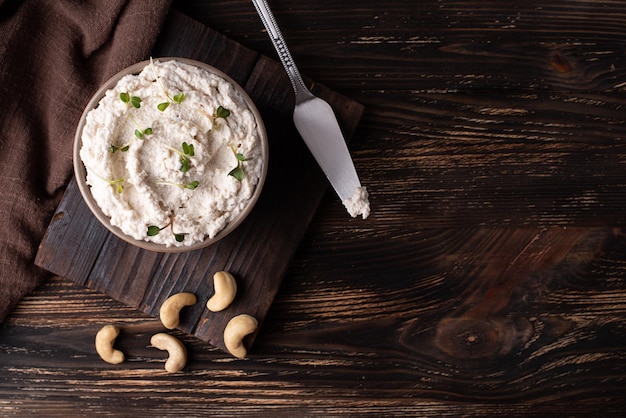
(490, 278)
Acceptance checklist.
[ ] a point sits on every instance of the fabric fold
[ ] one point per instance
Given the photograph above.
(54, 55)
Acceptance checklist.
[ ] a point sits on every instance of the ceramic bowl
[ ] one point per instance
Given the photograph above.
(80, 170)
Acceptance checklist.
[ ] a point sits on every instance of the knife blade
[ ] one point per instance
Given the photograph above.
(316, 122)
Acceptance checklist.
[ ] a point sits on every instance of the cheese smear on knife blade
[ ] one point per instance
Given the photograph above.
(358, 204)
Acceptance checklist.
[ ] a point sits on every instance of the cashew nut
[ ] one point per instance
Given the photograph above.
(170, 310)
(225, 290)
(176, 350)
(105, 338)
(236, 329)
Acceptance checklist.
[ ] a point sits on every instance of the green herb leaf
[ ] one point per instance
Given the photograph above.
(237, 173)
(163, 106)
(125, 148)
(135, 101)
(139, 133)
(221, 112)
(184, 164)
(153, 230)
(117, 184)
(188, 149)
(179, 97)
(192, 185)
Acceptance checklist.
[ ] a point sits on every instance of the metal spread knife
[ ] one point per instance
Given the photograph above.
(317, 124)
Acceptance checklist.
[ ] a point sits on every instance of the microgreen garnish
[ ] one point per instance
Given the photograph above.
(122, 148)
(238, 172)
(178, 98)
(139, 133)
(154, 230)
(187, 151)
(134, 101)
(191, 186)
(221, 112)
(116, 183)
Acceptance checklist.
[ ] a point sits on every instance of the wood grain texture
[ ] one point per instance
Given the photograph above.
(490, 279)
(405, 346)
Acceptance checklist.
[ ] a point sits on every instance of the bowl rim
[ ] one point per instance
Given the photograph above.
(80, 171)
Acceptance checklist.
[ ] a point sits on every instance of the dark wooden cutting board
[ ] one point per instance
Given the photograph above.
(258, 252)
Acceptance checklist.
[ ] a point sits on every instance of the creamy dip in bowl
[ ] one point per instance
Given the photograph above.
(171, 154)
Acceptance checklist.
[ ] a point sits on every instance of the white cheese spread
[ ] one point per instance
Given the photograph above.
(358, 204)
(172, 154)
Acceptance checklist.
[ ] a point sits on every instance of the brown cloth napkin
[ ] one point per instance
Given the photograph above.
(54, 54)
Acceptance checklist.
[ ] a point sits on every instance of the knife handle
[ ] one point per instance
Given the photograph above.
(267, 18)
